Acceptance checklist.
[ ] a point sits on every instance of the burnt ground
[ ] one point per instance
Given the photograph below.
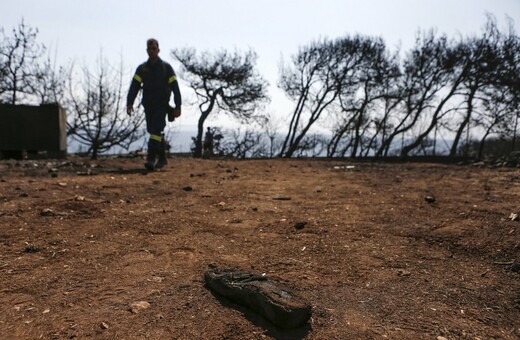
(397, 251)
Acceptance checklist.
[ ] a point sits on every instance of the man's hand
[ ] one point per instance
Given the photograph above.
(173, 113)
(129, 110)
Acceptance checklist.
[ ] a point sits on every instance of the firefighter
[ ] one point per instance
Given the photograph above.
(158, 80)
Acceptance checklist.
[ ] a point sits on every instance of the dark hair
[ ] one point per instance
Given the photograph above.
(152, 41)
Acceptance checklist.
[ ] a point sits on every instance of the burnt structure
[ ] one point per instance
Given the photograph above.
(33, 131)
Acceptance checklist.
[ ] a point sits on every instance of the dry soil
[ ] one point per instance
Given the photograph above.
(104, 250)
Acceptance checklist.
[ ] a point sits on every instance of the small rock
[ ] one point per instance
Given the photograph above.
(281, 198)
(513, 217)
(402, 272)
(84, 173)
(429, 199)
(156, 279)
(47, 212)
(138, 306)
(104, 325)
(300, 225)
(32, 249)
(187, 188)
(46, 311)
(515, 268)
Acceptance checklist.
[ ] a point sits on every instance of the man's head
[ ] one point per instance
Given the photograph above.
(152, 48)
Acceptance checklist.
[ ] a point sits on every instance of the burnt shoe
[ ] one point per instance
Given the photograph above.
(272, 300)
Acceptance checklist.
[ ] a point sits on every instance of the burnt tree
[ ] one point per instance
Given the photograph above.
(223, 82)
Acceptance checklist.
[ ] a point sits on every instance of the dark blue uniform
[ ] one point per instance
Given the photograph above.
(158, 81)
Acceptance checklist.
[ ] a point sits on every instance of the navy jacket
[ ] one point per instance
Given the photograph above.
(157, 81)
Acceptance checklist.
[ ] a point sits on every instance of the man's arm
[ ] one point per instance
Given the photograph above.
(135, 86)
(174, 87)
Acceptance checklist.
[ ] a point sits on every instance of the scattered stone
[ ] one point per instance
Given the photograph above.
(513, 217)
(66, 164)
(281, 198)
(267, 298)
(47, 212)
(344, 167)
(46, 311)
(429, 199)
(85, 173)
(104, 325)
(403, 272)
(155, 279)
(515, 268)
(300, 225)
(138, 306)
(32, 249)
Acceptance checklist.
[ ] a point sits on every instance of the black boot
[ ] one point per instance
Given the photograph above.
(153, 146)
(163, 160)
(150, 160)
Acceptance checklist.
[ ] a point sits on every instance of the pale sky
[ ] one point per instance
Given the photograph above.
(78, 30)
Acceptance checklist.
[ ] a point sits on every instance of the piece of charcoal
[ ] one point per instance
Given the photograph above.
(270, 299)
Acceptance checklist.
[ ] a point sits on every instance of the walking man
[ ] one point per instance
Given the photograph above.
(158, 80)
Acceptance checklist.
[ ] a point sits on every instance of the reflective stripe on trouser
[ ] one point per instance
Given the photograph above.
(154, 143)
(154, 147)
(155, 123)
(156, 137)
